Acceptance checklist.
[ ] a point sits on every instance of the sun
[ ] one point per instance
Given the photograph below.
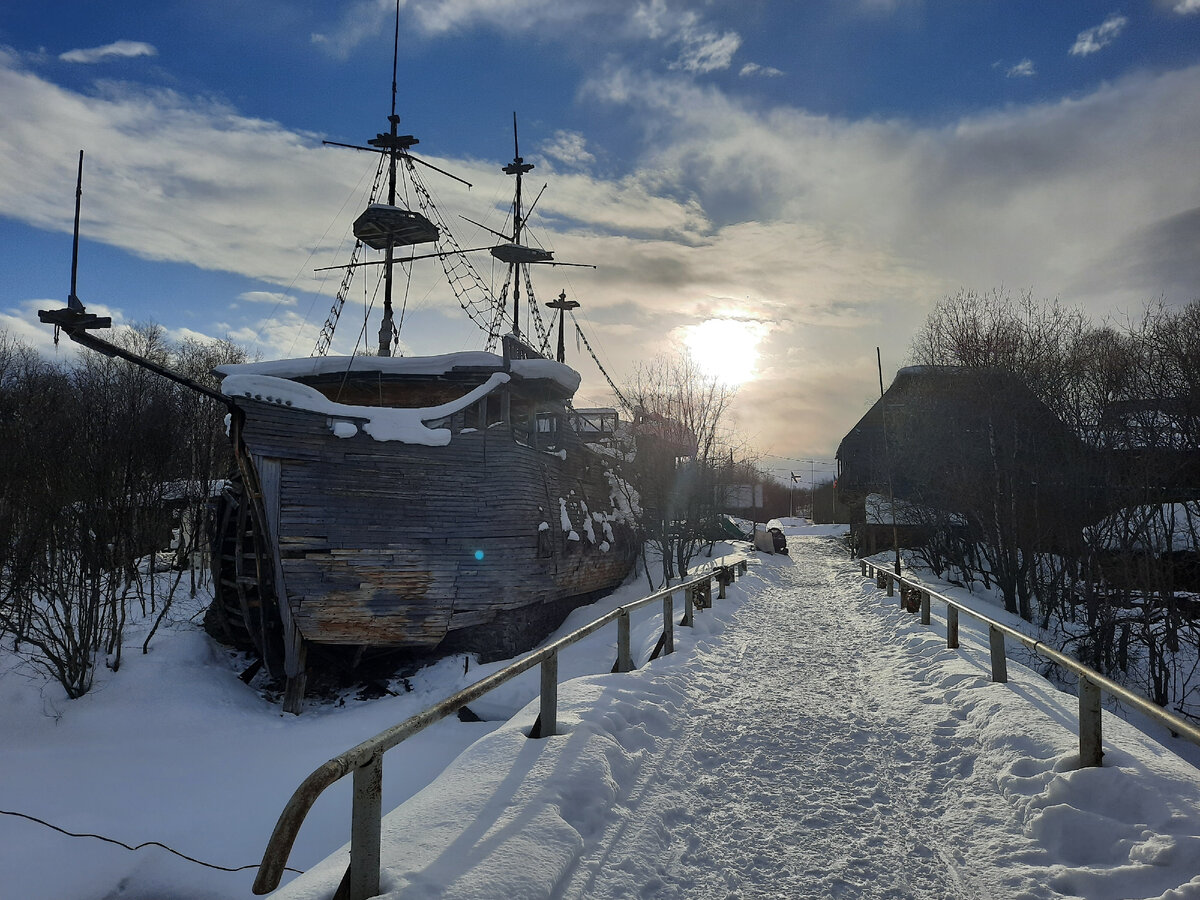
(727, 349)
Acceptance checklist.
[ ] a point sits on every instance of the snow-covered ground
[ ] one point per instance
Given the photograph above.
(808, 739)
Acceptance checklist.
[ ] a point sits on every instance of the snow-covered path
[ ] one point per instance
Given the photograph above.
(809, 741)
(800, 769)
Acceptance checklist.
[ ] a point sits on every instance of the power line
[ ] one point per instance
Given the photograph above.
(100, 837)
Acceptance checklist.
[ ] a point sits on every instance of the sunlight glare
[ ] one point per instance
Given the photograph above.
(727, 349)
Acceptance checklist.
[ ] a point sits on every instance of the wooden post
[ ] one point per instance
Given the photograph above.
(723, 577)
(624, 655)
(669, 623)
(365, 828)
(924, 607)
(891, 584)
(999, 662)
(549, 710)
(689, 605)
(1091, 750)
(864, 568)
(951, 626)
(742, 567)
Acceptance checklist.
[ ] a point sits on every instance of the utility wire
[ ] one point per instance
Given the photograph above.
(100, 837)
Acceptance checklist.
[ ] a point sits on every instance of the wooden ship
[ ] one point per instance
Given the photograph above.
(427, 504)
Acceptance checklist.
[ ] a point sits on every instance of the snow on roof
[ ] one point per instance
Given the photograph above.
(384, 423)
(310, 366)
(547, 368)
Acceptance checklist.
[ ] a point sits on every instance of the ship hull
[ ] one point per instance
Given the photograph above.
(482, 544)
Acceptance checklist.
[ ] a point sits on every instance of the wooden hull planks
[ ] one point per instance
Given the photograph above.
(388, 544)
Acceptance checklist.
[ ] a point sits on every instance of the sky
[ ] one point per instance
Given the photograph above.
(779, 187)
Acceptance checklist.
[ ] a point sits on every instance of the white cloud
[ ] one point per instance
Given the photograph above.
(275, 297)
(839, 233)
(707, 51)
(118, 49)
(569, 148)
(1095, 39)
(1023, 69)
(845, 232)
(362, 20)
(752, 69)
(1187, 7)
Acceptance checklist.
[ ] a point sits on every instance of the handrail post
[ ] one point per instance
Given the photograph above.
(864, 567)
(624, 654)
(1091, 751)
(365, 829)
(723, 578)
(689, 605)
(742, 566)
(999, 662)
(891, 584)
(924, 607)
(549, 706)
(951, 626)
(669, 623)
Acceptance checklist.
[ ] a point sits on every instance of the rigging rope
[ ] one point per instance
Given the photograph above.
(501, 307)
(538, 326)
(621, 397)
(469, 288)
(325, 338)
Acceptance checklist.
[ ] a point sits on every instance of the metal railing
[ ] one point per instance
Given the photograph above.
(365, 761)
(1091, 683)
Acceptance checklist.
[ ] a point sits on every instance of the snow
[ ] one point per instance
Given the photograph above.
(304, 367)
(549, 369)
(383, 423)
(807, 738)
(1158, 528)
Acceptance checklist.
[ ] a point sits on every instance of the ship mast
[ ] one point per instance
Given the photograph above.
(386, 327)
(517, 167)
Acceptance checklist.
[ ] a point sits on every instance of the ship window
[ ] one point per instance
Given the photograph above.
(547, 423)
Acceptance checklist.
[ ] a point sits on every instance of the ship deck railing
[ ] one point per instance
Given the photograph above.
(365, 760)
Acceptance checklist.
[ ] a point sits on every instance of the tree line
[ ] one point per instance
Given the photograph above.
(1121, 590)
(101, 460)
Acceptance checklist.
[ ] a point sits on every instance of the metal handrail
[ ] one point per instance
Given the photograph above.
(1091, 683)
(365, 760)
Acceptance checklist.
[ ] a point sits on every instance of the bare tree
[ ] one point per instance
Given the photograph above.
(681, 443)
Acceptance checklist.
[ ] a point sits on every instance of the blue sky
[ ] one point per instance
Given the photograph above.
(802, 179)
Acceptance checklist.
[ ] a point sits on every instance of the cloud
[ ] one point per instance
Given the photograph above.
(568, 148)
(702, 49)
(275, 297)
(118, 49)
(1094, 39)
(363, 20)
(846, 231)
(1023, 69)
(706, 51)
(838, 232)
(754, 69)
(1186, 7)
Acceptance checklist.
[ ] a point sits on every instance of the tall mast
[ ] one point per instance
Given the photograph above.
(562, 304)
(517, 167)
(73, 301)
(386, 327)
